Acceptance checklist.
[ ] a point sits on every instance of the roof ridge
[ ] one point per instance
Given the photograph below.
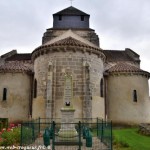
(114, 50)
(71, 11)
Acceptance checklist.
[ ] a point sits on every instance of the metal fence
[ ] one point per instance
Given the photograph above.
(83, 134)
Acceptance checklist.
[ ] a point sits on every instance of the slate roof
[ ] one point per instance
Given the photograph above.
(71, 11)
(126, 68)
(116, 55)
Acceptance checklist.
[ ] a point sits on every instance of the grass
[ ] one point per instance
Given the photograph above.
(130, 139)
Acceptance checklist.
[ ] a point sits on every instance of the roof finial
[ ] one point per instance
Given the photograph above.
(71, 1)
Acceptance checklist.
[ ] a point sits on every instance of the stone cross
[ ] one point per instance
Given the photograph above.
(71, 1)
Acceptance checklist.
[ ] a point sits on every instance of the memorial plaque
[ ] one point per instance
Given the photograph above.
(68, 91)
(67, 131)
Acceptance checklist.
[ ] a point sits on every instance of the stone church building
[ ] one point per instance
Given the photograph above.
(106, 83)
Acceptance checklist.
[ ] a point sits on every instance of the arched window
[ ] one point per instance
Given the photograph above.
(35, 88)
(4, 94)
(102, 88)
(134, 96)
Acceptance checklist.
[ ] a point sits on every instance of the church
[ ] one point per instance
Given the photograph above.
(108, 84)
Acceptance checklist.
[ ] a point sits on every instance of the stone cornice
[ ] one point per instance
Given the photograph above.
(45, 49)
(141, 73)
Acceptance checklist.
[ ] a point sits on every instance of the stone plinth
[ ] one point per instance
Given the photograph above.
(67, 131)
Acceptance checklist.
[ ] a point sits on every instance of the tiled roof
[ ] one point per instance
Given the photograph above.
(64, 42)
(16, 66)
(69, 41)
(19, 57)
(71, 11)
(116, 55)
(126, 68)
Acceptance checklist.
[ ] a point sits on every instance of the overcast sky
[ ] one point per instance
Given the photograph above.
(120, 24)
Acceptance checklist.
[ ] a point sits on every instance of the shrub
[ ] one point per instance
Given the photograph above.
(10, 137)
(27, 135)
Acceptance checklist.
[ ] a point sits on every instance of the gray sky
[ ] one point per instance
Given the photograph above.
(120, 24)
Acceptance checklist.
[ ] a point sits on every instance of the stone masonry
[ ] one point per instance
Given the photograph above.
(69, 62)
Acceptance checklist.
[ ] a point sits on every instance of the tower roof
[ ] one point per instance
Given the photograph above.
(71, 11)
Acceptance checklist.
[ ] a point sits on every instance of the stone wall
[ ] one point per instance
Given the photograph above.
(88, 34)
(16, 106)
(73, 63)
(144, 129)
(121, 107)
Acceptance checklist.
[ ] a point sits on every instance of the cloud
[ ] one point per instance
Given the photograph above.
(119, 23)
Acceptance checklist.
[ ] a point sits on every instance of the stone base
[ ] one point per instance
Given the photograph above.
(67, 135)
(67, 131)
(67, 116)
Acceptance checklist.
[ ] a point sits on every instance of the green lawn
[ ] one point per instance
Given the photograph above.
(130, 139)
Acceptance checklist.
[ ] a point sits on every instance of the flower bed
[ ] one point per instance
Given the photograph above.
(10, 136)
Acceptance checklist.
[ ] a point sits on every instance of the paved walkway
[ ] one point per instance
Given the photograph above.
(97, 145)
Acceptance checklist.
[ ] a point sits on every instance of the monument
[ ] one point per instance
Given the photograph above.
(67, 131)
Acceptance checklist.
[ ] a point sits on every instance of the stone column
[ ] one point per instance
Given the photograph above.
(49, 96)
(87, 100)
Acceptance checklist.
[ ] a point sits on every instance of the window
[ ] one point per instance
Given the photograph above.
(60, 17)
(102, 88)
(35, 88)
(82, 18)
(4, 94)
(134, 96)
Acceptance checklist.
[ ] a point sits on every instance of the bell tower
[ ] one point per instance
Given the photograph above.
(74, 19)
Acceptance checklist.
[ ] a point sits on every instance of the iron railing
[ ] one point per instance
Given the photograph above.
(83, 132)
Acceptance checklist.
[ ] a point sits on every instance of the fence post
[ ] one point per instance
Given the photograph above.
(39, 125)
(111, 136)
(97, 126)
(79, 135)
(53, 140)
(102, 131)
(21, 136)
(33, 131)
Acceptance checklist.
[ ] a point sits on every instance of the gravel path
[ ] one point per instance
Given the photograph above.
(97, 145)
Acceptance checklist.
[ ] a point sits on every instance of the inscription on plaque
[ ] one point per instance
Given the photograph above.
(68, 91)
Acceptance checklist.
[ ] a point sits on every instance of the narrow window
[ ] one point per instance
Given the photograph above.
(82, 18)
(4, 94)
(35, 88)
(60, 17)
(134, 95)
(102, 88)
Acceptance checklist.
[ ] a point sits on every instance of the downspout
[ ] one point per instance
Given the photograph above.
(54, 91)
(105, 94)
(31, 94)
